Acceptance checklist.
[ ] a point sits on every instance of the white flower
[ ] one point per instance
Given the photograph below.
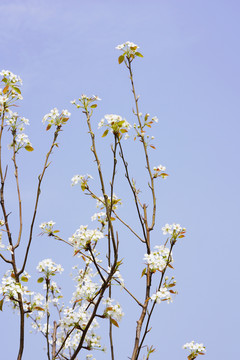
(49, 267)
(159, 168)
(155, 119)
(167, 229)
(157, 260)
(163, 294)
(129, 48)
(47, 227)
(10, 76)
(113, 311)
(195, 348)
(55, 118)
(84, 237)
(83, 179)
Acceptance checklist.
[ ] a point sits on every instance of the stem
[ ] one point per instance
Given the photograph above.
(40, 178)
(144, 145)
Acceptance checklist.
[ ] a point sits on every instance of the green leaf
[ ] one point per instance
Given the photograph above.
(17, 89)
(24, 279)
(29, 148)
(114, 322)
(4, 80)
(138, 54)
(143, 272)
(121, 59)
(48, 127)
(1, 304)
(56, 231)
(40, 280)
(93, 106)
(105, 133)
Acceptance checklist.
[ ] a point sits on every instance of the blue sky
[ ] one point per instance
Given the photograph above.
(189, 79)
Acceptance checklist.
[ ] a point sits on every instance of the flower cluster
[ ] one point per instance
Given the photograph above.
(10, 78)
(129, 50)
(82, 179)
(47, 227)
(49, 267)
(115, 202)
(85, 288)
(195, 349)
(83, 238)
(172, 229)
(116, 124)
(157, 260)
(86, 102)
(56, 118)
(162, 295)
(16, 125)
(11, 91)
(10, 288)
(159, 171)
(113, 311)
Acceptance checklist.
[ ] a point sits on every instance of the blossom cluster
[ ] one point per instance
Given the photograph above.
(113, 311)
(85, 102)
(171, 229)
(82, 179)
(54, 117)
(49, 267)
(159, 171)
(129, 50)
(115, 202)
(115, 124)
(195, 349)
(11, 91)
(161, 295)
(157, 260)
(47, 227)
(16, 125)
(10, 288)
(84, 237)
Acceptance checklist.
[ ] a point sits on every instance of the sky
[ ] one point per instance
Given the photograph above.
(189, 79)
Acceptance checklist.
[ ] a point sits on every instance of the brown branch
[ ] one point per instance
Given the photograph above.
(144, 145)
(40, 178)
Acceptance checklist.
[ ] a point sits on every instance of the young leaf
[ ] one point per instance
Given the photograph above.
(17, 89)
(114, 322)
(120, 59)
(138, 54)
(29, 148)
(48, 127)
(105, 133)
(143, 272)
(5, 89)
(24, 279)
(93, 106)
(40, 280)
(153, 147)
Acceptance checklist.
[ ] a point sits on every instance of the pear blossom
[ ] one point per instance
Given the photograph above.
(128, 48)
(116, 124)
(47, 227)
(49, 267)
(162, 294)
(113, 311)
(84, 237)
(54, 117)
(195, 349)
(157, 260)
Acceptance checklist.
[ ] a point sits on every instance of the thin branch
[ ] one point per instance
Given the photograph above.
(40, 178)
